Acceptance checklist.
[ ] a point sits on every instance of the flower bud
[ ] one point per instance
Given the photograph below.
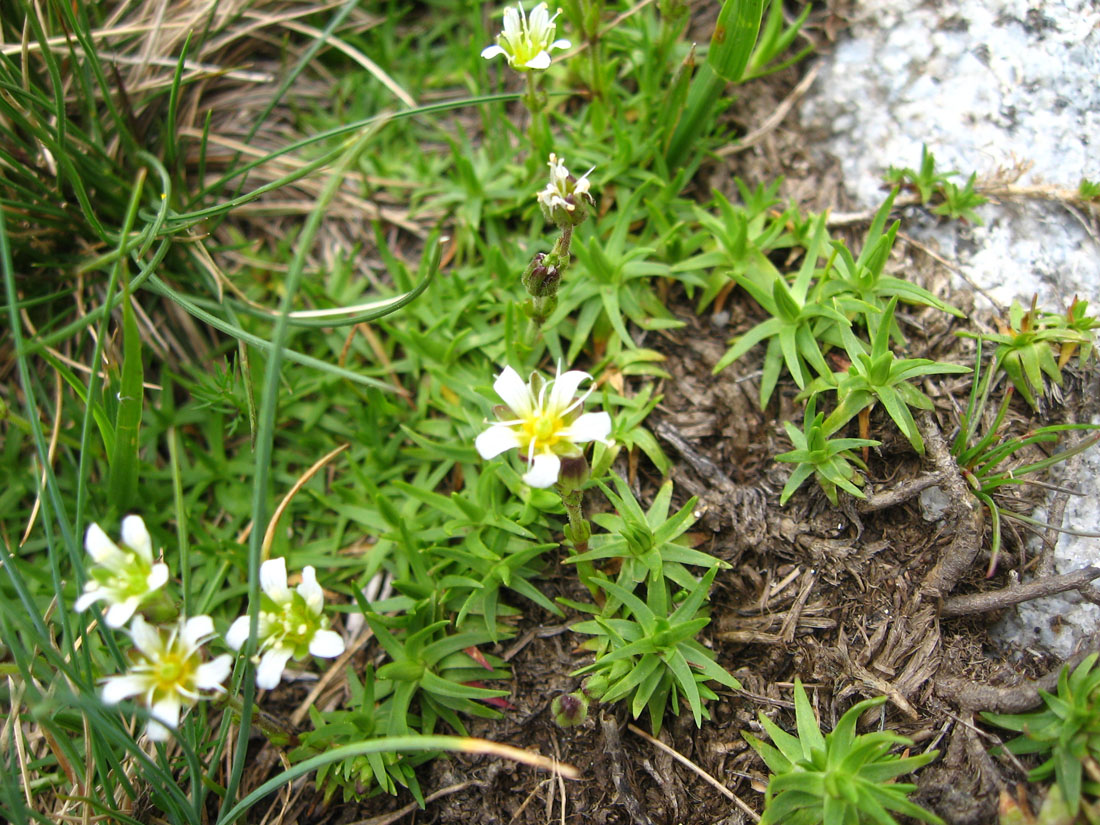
(569, 709)
(595, 686)
(541, 281)
(574, 472)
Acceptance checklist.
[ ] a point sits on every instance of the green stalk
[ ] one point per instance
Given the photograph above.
(578, 533)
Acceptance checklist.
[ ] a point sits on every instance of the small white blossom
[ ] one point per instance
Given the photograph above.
(548, 423)
(291, 623)
(168, 671)
(565, 199)
(526, 40)
(124, 576)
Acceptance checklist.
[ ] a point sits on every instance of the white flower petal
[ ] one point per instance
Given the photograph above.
(117, 688)
(273, 580)
(167, 711)
(514, 392)
(564, 391)
(271, 667)
(496, 440)
(489, 52)
(594, 426)
(196, 631)
(512, 27)
(210, 675)
(120, 612)
(136, 537)
(544, 470)
(540, 61)
(538, 19)
(237, 634)
(89, 597)
(560, 44)
(147, 638)
(99, 547)
(157, 732)
(311, 591)
(327, 644)
(157, 577)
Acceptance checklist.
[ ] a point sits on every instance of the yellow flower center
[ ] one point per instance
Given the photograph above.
(543, 430)
(171, 671)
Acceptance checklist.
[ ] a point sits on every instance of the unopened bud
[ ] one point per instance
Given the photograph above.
(595, 686)
(574, 472)
(569, 709)
(541, 281)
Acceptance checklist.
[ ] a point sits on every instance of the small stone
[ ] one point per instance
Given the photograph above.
(934, 502)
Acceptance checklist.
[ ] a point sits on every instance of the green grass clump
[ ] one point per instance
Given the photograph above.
(840, 777)
(1066, 730)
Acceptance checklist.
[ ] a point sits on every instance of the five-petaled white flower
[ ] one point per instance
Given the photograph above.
(291, 623)
(548, 423)
(565, 199)
(122, 576)
(527, 40)
(168, 672)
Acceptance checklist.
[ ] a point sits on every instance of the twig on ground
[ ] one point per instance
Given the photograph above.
(998, 599)
(858, 671)
(899, 494)
(958, 270)
(699, 462)
(1016, 699)
(393, 816)
(775, 118)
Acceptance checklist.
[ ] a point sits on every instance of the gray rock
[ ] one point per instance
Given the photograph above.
(988, 86)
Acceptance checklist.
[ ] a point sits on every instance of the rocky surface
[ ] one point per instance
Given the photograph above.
(1007, 89)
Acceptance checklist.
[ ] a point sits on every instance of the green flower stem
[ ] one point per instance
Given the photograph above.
(539, 131)
(597, 73)
(577, 533)
(561, 246)
(540, 309)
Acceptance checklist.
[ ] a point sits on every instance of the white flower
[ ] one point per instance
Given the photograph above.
(526, 41)
(566, 199)
(291, 623)
(168, 673)
(548, 423)
(122, 576)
